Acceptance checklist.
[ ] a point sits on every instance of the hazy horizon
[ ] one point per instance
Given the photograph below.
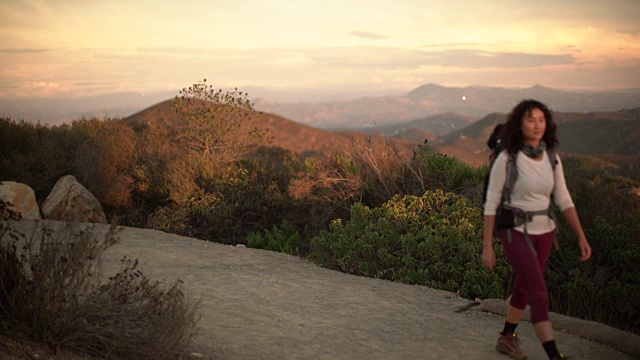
(52, 110)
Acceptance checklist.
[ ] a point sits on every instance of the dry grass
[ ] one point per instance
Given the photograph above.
(371, 171)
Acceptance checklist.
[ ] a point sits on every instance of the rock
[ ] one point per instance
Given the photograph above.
(70, 201)
(22, 198)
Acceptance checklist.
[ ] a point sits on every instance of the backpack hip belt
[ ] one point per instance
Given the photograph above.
(521, 217)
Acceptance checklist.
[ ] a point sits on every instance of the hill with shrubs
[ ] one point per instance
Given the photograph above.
(217, 170)
(282, 133)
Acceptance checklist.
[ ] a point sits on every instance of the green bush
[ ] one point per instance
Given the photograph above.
(36, 154)
(284, 238)
(432, 240)
(439, 171)
(598, 192)
(222, 209)
(607, 287)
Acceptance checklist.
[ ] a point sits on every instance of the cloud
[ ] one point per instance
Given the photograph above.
(621, 15)
(166, 68)
(291, 65)
(573, 48)
(368, 35)
(394, 58)
(23, 51)
(476, 59)
(107, 83)
(450, 45)
(174, 50)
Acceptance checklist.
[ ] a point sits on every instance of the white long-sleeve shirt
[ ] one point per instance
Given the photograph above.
(532, 190)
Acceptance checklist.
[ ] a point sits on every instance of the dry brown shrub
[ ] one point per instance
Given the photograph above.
(106, 161)
(383, 169)
(215, 123)
(371, 171)
(183, 176)
(328, 182)
(52, 292)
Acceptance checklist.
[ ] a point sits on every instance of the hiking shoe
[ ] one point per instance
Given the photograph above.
(509, 344)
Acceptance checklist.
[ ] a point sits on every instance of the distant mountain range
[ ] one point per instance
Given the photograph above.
(474, 102)
(427, 128)
(591, 133)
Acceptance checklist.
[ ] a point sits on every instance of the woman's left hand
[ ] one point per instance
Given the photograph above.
(571, 215)
(585, 249)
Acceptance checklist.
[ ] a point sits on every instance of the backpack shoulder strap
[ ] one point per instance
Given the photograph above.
(511, 176)
(553, 158)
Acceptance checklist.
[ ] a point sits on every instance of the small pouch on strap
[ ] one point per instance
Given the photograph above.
(504, 218)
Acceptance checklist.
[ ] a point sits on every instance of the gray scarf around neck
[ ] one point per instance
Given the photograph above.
(532, 152)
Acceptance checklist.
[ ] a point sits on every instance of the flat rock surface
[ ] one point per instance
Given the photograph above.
(260, 304)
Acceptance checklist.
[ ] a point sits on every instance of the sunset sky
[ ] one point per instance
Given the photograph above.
(71, 48)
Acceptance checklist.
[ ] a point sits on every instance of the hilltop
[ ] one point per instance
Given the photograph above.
(284, 133)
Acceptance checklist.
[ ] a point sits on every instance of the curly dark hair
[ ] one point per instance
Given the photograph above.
(511, 138)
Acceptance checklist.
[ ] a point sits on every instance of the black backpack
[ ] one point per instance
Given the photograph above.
(494, 145)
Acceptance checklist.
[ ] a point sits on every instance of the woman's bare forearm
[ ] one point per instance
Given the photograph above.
(489, 222)
(571, 215)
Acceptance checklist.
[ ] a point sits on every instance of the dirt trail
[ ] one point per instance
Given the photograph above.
(265, 305)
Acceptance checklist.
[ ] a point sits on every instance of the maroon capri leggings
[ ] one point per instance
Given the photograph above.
(530, 286)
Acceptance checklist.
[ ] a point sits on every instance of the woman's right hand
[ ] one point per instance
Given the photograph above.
(488, 253)
(489, 257)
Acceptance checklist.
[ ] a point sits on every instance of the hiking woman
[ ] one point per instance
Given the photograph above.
(529, 136)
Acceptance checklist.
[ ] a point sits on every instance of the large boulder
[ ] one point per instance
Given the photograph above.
(72, 202)
(22, 199)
